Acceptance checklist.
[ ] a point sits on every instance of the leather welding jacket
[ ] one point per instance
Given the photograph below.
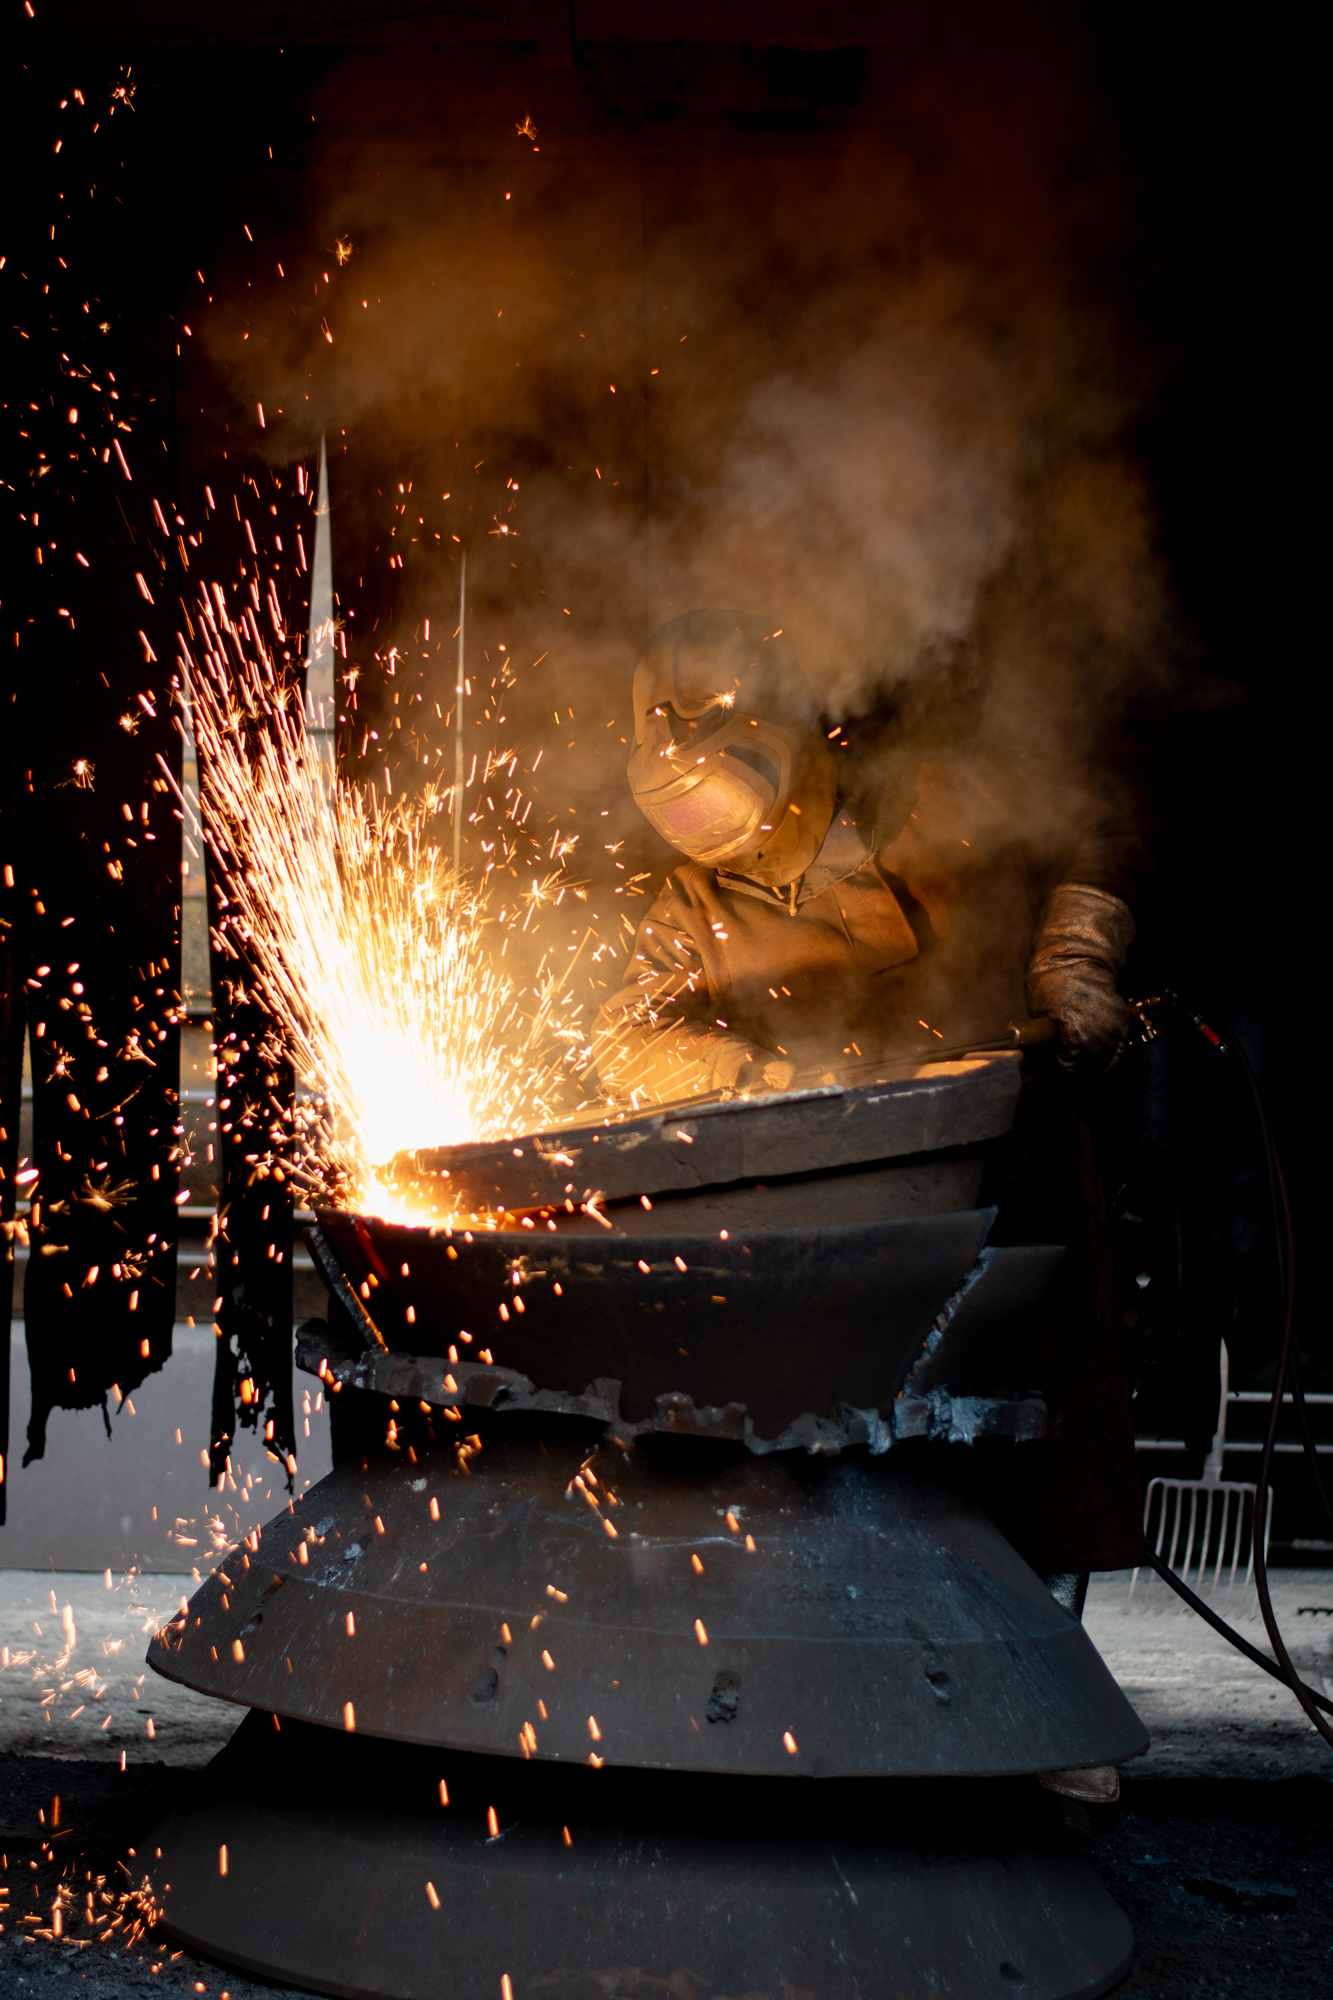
(923, 910)
(912, 926)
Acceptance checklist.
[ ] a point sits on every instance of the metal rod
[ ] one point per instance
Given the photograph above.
(1017, 1035)
(1221, 1539)
(458, 723)
(319, 672)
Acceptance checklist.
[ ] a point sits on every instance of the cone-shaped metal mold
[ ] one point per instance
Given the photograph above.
(787, 1322)
(332, 1861)
(551, 1599)
(685, 1148)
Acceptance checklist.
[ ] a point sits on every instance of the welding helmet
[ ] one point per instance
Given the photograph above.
(730, 763)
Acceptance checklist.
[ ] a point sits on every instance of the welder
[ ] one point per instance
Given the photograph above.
(817, 926)
(809, 929)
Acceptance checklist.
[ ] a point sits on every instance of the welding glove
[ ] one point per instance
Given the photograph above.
(743, 1066)
(646, 1057)
(764, 1072)
(1077, 953)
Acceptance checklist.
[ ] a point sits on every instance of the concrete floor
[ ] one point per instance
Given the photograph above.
(141, 1497)
(73, 1682)
(1211, 1712)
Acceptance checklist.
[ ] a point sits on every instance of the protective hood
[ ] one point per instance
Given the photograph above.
(730, 763)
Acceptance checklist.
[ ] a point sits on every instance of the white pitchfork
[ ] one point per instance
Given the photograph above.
(1206, 1525)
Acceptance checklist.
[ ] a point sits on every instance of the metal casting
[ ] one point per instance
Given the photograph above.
(688, 1607)
(347, 1873)
(787, 1323)
(687, 1147)
(628, 1532)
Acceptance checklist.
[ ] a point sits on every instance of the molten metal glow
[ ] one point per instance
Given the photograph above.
(380, 970)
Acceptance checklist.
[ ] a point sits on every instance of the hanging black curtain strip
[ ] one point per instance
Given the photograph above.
(108, 253)
(249, 485)
(100, 895)
(12, 1011)
(88, 449)
(257, 527)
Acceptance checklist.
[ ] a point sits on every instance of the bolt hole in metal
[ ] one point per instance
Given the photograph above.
(725, 1700)
(485, 1687)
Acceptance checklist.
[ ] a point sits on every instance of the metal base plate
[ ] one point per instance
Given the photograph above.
(346, 1874)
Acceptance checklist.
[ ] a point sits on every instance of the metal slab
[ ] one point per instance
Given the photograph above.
(742, 1139)
(688, 1607)
(346, 1874)
(884, 1191)
(784, 1321)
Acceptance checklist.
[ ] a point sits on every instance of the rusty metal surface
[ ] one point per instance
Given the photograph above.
(622, 1886)
(786, 1322)
(743, 1139)
(690, 1607)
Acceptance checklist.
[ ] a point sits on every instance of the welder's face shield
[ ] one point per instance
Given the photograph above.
(729, 760)
(715, 783)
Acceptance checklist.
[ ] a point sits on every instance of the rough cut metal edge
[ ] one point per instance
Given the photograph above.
(331, 1270)
(945, 1317)
(425, 1379)
(681, 1148)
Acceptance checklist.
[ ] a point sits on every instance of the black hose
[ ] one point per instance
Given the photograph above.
(1283, 1240)
(1196, 1604)
(1280, 1653)
(1284, 1244)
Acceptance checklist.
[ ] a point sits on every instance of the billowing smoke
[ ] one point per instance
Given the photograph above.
(878, 393)
(855, 496)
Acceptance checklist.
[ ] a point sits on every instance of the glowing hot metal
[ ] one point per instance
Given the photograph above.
(369, 952)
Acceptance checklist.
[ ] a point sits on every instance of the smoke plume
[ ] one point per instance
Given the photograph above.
(879, 391)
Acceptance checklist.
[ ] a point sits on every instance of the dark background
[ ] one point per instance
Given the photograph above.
(1208, 265)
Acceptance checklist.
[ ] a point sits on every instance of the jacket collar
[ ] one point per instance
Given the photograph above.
(848, 846)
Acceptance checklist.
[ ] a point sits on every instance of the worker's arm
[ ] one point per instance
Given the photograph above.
(655, 1041)
(1078, 953)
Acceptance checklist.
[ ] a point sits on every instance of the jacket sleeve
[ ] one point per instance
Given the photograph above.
(654, 1041)
(1104, 851)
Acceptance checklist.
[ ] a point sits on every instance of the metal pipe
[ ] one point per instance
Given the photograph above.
(458, 722)
(1017, 1035)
